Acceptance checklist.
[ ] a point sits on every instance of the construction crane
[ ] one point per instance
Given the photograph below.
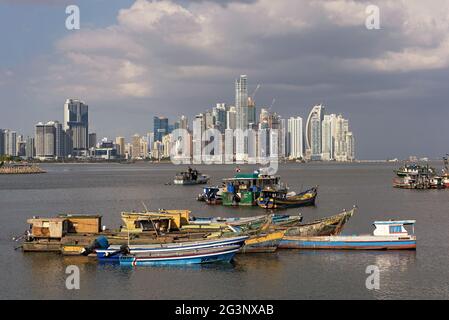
(251, 97)
(272, 104)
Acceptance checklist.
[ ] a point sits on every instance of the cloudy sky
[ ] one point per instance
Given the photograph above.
(133, 59)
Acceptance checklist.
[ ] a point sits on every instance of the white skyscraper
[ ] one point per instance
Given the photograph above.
(241, 102)
(198, 128)
(10, 142)
(231, 118)
(313, 132)
(327, 145)
(295, 138)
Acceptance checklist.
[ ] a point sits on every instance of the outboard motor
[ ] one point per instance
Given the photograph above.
(100, 242)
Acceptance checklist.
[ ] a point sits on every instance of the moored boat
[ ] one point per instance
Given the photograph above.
(191, 177)
(282, 199)
(266, 241)
(187, 257)
(327, 226)
(388, 235)
(245, 188)
(113, 253)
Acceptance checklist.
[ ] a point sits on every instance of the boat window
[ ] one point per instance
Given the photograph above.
(395, 229)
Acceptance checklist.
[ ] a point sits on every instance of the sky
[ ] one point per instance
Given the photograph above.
(135, 59)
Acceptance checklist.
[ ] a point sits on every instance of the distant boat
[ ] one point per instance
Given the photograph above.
(184, 257)
(388, 235)
(282, 199)
(191, 177)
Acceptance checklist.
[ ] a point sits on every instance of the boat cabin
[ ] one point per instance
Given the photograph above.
(162, 221)
(64, 224)
(393, 227)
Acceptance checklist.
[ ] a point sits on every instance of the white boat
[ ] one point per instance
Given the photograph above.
(191, 177)
(387, 235)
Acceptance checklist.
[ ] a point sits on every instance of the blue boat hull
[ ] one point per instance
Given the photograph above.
(102, 255)
(224, 257)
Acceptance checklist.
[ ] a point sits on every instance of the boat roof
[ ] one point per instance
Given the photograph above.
(403, 222)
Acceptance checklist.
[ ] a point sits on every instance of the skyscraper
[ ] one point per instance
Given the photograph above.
(2, 142)
(92, 140)
(231, 118)
(198, 129)
(120, 143)
(295, 138)
(45, 139)
(160, 128)
(241, 102)
(327, 140)
(313, 132)
(251, 111)
(10, 142)
(220, 116)
(76, 120)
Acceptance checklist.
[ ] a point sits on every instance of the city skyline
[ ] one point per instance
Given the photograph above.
(383, 81)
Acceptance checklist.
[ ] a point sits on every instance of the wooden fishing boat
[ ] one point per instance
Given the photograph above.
(244, 188)
(184, 257)
(281, 220)
(191, 177)
(114, 252)
(332, 225)
(388, 235)
(266, 241)
(282, 199)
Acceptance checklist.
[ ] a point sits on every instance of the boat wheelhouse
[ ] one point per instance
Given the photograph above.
(244, 188)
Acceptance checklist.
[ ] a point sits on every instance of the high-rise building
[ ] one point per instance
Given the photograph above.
(45, 140)
(2, 142)
(241, 102)
(251, 111)
(76, 120)
(231, 118)
(350, 146)
(30, 151)
(313, 132)
(198, 129)
(295, 138)
(327, 140)
(160, 128)
(220, 116)
(10, 142)
(135, 152)
(120, 145)
(92, 140)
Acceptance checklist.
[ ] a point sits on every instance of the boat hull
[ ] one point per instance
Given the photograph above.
(108, 255)
(263, 243)
(348, 243)
(303, 199)
(224, 255)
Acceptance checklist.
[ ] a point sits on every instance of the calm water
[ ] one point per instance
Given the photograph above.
(109, 189)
